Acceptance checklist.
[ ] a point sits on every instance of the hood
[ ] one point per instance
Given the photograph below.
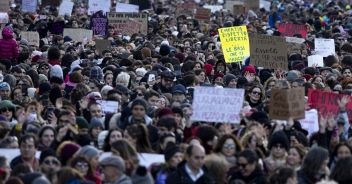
(7, 33)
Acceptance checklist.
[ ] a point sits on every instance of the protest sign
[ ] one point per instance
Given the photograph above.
(99, 24)
(326, 102)
(211, 104)
(128, 23)
(311, 121)
(265, 4)
(109, 106)
(295, 40)
(32, 37)
(4, 18)
(186, 9)
(4, 5)
(79, 35)
(66, 8)
(127, 8)
(315, 60)
(252, 4)
(292, 29)
(324, 47)
(296, 45)
(287, 103)
(234, 43)
(29, 6)
(202, 14)
(50, 3)
(268, 51)
(213, 8)
(102, 45)
(99, 5)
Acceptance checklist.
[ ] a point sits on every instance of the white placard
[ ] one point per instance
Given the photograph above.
(79, 35)
(214, 8)
(109, 106)
(66, 8)
(324, 47)
(315, 60)
(4, 18)
(295, 40)
(130, 8)
(310, 123)
(265, 4)
(29, 6)
(97, 5)
(212, 104)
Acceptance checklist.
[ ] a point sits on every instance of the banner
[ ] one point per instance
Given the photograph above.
(79, 35)
(213, 8)
(127, 8)
(108, 106)
(128, 23)
(287, 103)
(311, 122)
(292, 29)
(4, 5)
(324, 47)
(50, 3)
(268, 51)
(223, 105)
(66, 8)
(186, 9)
(203, 14)
(326, 102)
(315, 60)
(99, 5)
(99, 24)
(252, 4)
(32, 37)
(234, 43)
(29, 6)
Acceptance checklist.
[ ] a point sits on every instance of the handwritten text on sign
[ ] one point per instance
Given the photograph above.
(212, 104)
(292, 29)
(268, 51)
(234, 43)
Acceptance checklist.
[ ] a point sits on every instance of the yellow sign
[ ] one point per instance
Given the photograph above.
(234, 43)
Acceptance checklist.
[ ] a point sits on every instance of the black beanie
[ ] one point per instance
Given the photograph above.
(279, 137)
(54, 94)
(170, 150)
(46, 153)
(164, 50)
(139, 102)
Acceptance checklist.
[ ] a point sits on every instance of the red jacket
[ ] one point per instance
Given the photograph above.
(8, 45)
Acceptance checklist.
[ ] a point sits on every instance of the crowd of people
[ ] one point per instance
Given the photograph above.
(51, 100)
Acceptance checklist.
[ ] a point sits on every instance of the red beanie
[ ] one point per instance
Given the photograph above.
(307, 76)
(165, 111)
(250, 69)
(219, 75)
(207, 69)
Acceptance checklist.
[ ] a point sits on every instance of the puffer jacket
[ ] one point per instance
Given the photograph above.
(8, 45)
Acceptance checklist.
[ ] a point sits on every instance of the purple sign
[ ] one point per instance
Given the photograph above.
(99, 24)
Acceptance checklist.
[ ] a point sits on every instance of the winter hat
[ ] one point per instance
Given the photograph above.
(264, 76)
(95, 122)
(228, 78)
(241, 82)
(279, 137)
(81, 122)
(164, 50)
(41, 180)
(307, 76)
(260, 117)
(165, 111)
(141, 72)
(7, 104)
(56, 71)
(10, 79)
(207, 69)
(30, 177)
(96, 73)
(179, 88)
(66, 150)
(115, 161)
(250, 69)
(46, 153)
(42, 78)
(139, 102)
(292, 76)
(104, 90)
(88, 151)
(67, 39)
(54, 94)
(170, 150)
(5, 86)
(221, 75)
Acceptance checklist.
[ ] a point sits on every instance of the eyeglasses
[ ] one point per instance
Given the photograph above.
(256, 93)
(229, 146)
(53, 162)
(81, 164)
(44, 68)
(5, 110)
(242, 165)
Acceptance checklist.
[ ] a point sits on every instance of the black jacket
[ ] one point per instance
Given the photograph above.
(180, 176)
(257, 177)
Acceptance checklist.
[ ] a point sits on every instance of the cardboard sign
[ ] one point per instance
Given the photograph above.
(99, 5)
(292, 29)
(4, 5)
(211, 104)
(295, 40)
(102, 45)
(324, 47)
(29, 6)
(326, 102)
(186, 9)
(79, 35)
(252, 4)
(128, 23)
(99, 24)
(50, 3)
(315, 60)
(127, 8)
(213, 8)
(311, 122)
(287, 103)
(66, 8)
(203, 14)
(4, 18)
(234, 43)
(268, 51)
(109, 106)
(32, 37)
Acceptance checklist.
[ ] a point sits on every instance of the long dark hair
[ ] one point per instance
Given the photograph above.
(313, 161)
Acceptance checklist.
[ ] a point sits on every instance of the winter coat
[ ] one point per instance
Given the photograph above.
(8, 45)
